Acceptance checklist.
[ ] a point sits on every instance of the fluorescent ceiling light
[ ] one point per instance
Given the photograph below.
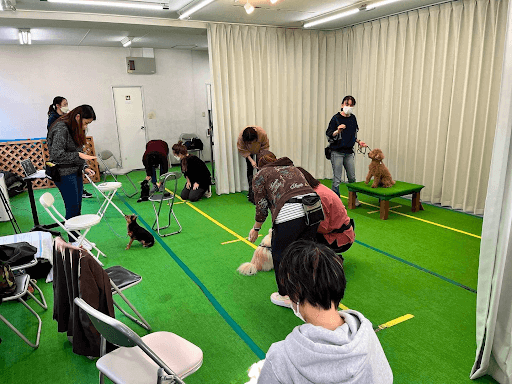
(273, 1)
(24, 36)
(326, 19)
(7, 5)
(120, 4)
(380, 4)
(248, 8)
(186, 11)
(127, 41)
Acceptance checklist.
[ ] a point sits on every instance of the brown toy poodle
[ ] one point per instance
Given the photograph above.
(381, 175)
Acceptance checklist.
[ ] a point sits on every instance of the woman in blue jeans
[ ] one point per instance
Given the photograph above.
(342, 135)
(66, 139)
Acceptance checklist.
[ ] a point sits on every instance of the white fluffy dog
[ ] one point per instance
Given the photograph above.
(261, 259)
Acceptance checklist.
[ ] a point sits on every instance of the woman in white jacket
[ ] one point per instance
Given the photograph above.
(333, 346)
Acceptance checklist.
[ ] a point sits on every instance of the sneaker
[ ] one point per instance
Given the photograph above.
(86, 195)
(282, 301)
(208, 194)
(154, 189)
(358, 203)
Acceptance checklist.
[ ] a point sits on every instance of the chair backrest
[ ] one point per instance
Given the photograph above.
(170, 176)
(188, 136)
(118, 333)
(46, 200)
(105, 155)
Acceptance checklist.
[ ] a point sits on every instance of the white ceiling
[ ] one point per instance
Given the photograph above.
(80, 25)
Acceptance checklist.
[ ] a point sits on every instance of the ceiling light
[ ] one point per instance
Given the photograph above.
(24, 36)
(121, 4)
(127, 41)
(248, 8)
(326, 19)
(273, 1)
(7, 5)
(192, 7)
(379, 4)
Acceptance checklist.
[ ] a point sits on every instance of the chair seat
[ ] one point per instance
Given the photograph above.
(109, 186)
(120, 171)
(122, 277)
(160, 197)
(132, 365)
(82, 221)
(21, 287)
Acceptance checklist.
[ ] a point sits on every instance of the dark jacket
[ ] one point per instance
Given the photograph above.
(63, 150)
(275, 184)
(197, 172)
(160, 149)
(51, 118)
(83, 277)
(345, 141)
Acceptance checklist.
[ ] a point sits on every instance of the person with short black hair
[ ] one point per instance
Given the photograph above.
(332, 346)
(337, 229)
(156, 155)
(342, 135)
(195, 171)
(251, 142)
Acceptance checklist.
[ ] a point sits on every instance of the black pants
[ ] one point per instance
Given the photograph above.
(283, 235)
(334, 246)
(192, 194)
(250, 176)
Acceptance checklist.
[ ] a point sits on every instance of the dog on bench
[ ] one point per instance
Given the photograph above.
(261, 259)
(377, 170)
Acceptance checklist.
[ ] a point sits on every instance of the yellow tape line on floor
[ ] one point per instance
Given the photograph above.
(425, 221)
(233, 241)
(396, 321)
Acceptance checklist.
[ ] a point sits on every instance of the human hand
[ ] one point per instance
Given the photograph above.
(86, 157)
(341, 127)
(196, 185)
(253, 235)
(188, 185)
(253, 163)
(362, 143)
(89, 171)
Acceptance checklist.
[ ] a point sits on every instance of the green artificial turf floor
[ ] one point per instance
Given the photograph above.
(424, 264)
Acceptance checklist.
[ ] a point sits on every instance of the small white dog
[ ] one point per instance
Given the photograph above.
(261, 259)
(254, 372)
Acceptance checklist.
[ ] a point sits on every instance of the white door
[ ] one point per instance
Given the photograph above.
(131, 128)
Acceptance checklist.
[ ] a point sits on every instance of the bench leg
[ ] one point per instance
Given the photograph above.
(416, 204)
(352, 200)
(384, 209)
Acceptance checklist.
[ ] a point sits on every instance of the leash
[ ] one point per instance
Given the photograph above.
(363, 150)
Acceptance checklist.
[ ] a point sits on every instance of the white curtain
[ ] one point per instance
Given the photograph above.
(494, 301)
(426, 84)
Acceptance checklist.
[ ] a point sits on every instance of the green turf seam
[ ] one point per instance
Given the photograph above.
(417, 267)
(232, 323)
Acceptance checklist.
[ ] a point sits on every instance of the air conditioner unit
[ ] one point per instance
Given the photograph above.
(141, 65)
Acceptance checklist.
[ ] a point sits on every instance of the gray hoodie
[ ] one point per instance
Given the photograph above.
(311, 354)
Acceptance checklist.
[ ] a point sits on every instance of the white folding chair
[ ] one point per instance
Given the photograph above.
(77, 224)
(22, 283)
(107, 189)
(158, 198)
(160, 357)
(117, 171)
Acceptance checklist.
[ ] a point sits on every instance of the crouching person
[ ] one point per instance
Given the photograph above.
(332, 346)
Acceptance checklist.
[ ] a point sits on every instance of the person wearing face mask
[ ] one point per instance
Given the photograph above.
(156, 155)
(195, 171)
(66, 139)
(332, 346)
(342, 135)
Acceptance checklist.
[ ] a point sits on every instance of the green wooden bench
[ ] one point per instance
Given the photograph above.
(385, 194)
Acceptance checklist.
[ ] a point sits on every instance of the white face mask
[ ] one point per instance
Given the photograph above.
(64, 109)
(348, 110)
(177, 158)
(297, 313)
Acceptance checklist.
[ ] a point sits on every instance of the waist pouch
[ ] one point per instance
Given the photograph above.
(312, 206)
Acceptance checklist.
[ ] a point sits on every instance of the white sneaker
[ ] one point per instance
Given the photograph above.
(208, 194)
(282, 301)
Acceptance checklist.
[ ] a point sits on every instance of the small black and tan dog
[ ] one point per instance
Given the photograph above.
(136, 232)
(144, 191)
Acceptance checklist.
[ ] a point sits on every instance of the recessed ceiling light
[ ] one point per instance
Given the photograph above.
(248, 8)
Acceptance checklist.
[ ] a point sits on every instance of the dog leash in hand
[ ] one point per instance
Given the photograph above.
(362, 150)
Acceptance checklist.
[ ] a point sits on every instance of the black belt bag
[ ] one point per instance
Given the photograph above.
(312, 206)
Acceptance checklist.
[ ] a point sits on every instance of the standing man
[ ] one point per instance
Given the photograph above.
(342, 135)
(252, 141)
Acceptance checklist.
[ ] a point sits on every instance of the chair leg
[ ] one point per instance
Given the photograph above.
(21, 335)
(134, 187)
(43, 304)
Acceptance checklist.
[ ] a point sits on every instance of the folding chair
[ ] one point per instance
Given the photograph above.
(22, 283)
(158, 198)
(117, 171)
(107, 189)
(160, 357)
(77, 223)
(185, 137)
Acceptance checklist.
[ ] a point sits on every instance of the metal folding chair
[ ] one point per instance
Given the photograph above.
(23, 281)
(117, 171)
(160, 357)
(185, 137)
(159, 197)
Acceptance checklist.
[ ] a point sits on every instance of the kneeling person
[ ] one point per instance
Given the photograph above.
(333, 346)
(195, 171)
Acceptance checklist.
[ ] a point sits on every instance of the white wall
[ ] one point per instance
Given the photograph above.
(32, 76)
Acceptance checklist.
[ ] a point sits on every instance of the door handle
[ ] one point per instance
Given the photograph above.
(143, 127)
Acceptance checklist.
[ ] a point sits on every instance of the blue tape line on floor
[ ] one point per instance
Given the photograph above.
(417, 267)
(232, 323)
